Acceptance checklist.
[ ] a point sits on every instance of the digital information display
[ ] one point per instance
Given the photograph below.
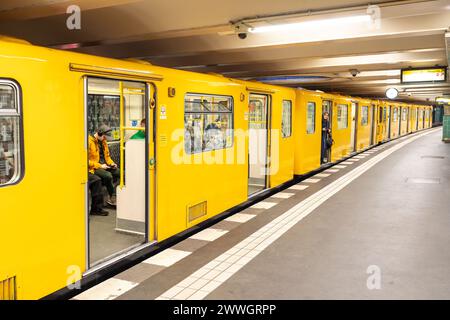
(422, 75)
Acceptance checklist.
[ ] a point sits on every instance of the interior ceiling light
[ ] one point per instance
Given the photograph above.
(323, 23)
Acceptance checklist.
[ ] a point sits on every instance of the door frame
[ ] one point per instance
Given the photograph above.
(389, 120)
(268, 95)
(150, 210)
(330, 121)
(354, 125)
(373, 127)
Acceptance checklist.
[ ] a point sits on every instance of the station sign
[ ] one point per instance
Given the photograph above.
(424, 75)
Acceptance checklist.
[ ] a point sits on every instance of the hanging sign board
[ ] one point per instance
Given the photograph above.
(424, 75)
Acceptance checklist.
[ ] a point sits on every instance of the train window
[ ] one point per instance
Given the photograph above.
(208, 122)
(10, 141)
(311, 118)
(286, 119)
(395, 114)
(342, 116)
(364, 115)
(404, 114)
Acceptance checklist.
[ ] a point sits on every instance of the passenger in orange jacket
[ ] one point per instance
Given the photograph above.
(100, 162)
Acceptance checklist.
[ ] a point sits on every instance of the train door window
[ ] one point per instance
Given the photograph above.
(364, 115)
(117, 163)
(286, 119)
(311, 118)
(208, 122)
(11, 162)
(395, 115)
(258, 142)
(404, 114)
(342, 116)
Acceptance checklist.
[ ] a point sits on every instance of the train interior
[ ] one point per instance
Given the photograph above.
(125, 225)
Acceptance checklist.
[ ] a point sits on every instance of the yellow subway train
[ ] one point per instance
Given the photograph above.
(207, 144)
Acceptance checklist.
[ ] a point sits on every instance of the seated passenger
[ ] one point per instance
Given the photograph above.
(100, 162)
(141, 133)
(95, 185)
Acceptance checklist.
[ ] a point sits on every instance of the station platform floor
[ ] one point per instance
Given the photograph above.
(375, 226)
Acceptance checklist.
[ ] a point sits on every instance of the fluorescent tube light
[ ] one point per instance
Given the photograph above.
(332, 22)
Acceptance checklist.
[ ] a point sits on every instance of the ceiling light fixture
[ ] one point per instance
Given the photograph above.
(392, 93)
(323, 23)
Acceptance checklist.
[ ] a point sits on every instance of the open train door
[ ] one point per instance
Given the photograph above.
(373, 119)
(259, 142)
(127, 222)
(388, 114)
(354, 127)
(327, 106)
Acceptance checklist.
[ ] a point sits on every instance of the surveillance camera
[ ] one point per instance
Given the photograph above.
(242, 35)
(241, 29)
(354, 72)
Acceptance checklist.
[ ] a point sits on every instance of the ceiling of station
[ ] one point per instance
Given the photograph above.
(359, 58)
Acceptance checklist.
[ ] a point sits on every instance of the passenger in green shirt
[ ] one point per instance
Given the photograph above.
(141, 133)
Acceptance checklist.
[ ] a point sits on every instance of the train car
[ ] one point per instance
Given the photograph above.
(404, 119)
(182, 148)
(393, 119)
(310, 152)
(309, 109)
(270, 117)
(428, 116)
(193, 130)
(381, 127)
(365, 123)
(412, 118)
(420, 117)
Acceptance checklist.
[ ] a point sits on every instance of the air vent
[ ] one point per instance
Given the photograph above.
(197, 211)
(8, 289)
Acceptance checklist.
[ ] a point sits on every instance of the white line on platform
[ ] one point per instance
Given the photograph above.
(263, 205)
(167, 257)
(322, 175)
(311, 180)
(240, 217)
(209, 234)
(224, 266)
(283, 195)
(107, 290)
(298, 187)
